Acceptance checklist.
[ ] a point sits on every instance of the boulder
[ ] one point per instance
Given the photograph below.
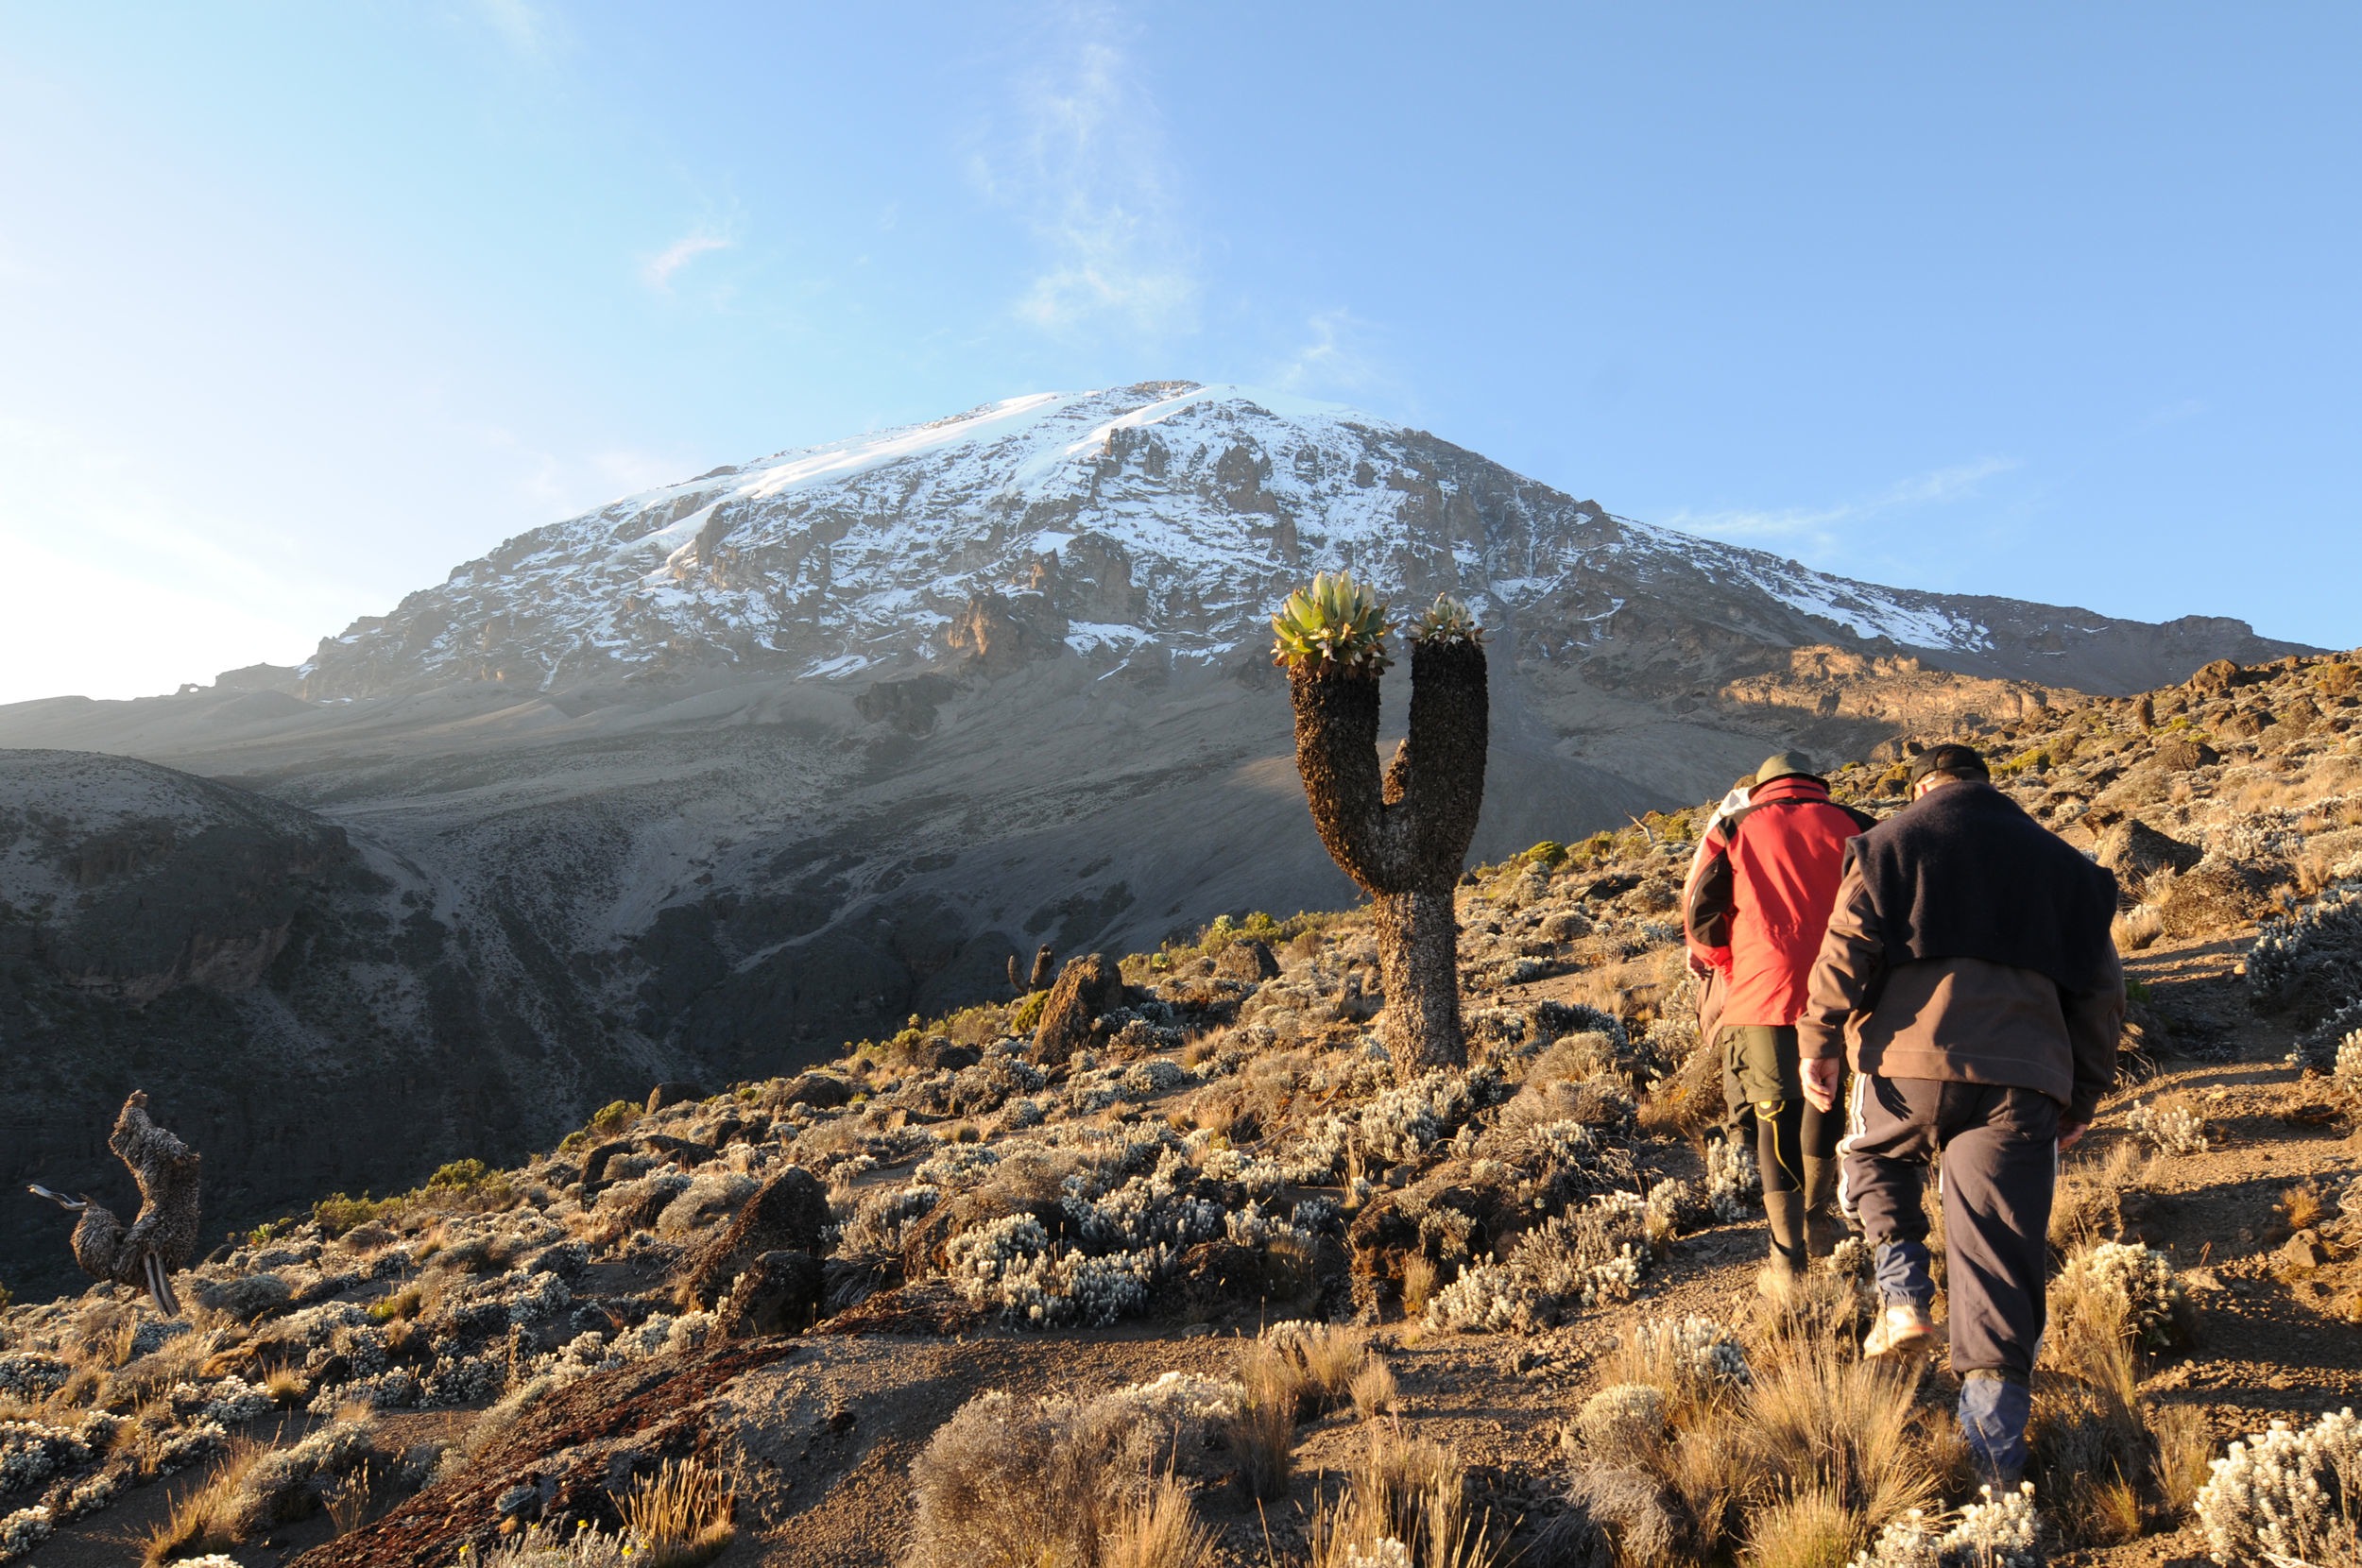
(2181, 753)
(1086, 987)
(823, 1091)
(673, 1092)
(2222, 675)
(248, 1297)
(2216, 896)
(778, 1293)
(786, 1216)
(1218, 1277)
(2134, 850)
(941, 1055)
(595, 1163)
(1566, 925)
(1248, 959)
(2247, 723)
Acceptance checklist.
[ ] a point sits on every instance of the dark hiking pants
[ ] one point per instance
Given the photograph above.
(2000, 1152)
(1763, 1089)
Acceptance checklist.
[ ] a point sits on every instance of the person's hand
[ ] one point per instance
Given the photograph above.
(1821, 1083)
(2071, 1133)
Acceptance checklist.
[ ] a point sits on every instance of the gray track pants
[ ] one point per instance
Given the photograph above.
(2000, 1150)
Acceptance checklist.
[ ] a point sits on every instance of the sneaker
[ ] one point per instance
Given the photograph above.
(1903, 1330)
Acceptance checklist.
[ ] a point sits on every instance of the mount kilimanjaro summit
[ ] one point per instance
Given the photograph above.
(1144, 529)
(704, 782)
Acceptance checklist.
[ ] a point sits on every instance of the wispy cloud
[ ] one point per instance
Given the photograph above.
(1090, 176)
(524, 26)
(1824, 528)
(657, 273)
(1335, 358)
(2174, 413)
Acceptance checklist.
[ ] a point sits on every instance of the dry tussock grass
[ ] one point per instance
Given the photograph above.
(1263, 1430)
(1824, 1422)
(1331, 1357)
(2301, 1206)
(1797, 1467)
(1407, 1490)
(1374, 1390)
(680, 1516)
(1420, 1281)
(2186, 1454)
(2298, 789)
(349, 1502)
(1811, 1529)
(2137, 929)
(202, 1519)
(2087, 1206)
(1158, 1530)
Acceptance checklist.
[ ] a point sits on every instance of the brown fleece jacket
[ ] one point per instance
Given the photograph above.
(1959, 1020)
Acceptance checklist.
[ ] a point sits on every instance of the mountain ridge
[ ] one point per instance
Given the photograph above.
(1158, 522)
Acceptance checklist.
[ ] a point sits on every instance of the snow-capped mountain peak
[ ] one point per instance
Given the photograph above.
(1158, 521)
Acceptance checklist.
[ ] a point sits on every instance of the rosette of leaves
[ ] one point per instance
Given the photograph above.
(1402, 836)
(1336, 621)
(1448, 621)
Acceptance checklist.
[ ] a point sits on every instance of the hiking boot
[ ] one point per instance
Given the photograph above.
(1783, 1216)
(1903, 1331)
(1825, 1227)
(1994, 1409)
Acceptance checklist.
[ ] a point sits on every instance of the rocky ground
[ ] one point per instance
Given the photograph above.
(1223, 1261)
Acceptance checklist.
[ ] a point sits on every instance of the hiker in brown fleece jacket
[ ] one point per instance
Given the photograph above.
(1969, 973)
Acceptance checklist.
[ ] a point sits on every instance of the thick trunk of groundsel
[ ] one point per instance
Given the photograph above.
(1418, 963)
(1403, 836)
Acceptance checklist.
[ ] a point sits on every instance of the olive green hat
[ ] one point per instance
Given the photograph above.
(1785, 765)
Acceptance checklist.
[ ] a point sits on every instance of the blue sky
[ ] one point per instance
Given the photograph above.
(301, 305)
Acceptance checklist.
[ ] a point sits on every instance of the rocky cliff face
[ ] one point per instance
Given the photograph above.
(303, 1009)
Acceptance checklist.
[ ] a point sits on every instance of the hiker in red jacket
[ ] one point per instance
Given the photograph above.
(1755, 908)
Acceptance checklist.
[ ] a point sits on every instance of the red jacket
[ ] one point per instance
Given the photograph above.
(1760, 892)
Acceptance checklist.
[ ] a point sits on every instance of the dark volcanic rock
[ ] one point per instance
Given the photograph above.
(787, 1215)
(2217, 897)
(1086, 987)
(2133, 850)
(1248, 959)
(777, 1293)
(823, 1090)
(2183, 753)
(673, 1092)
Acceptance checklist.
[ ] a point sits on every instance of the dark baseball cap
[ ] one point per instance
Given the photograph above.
(1951, 758)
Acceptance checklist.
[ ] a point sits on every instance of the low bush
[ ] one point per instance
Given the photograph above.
(2288, 1497)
